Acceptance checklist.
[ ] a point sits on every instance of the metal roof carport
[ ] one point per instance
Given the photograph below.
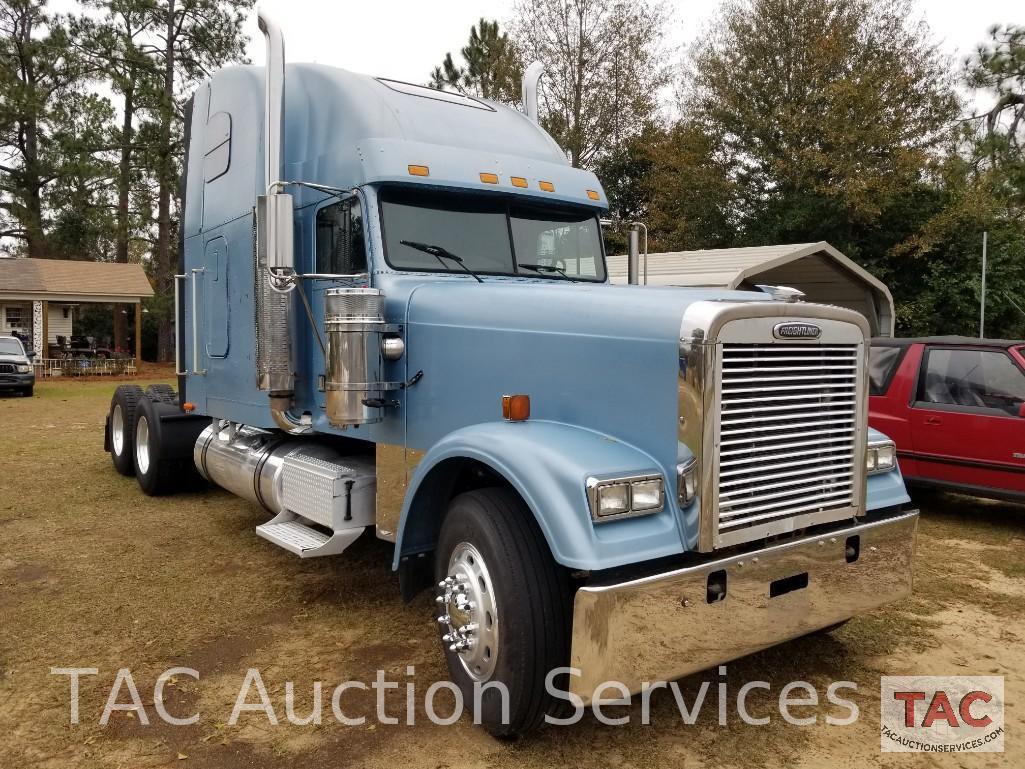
(824, 275)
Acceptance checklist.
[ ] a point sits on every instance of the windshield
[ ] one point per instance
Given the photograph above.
(10, 346)
(490, 235)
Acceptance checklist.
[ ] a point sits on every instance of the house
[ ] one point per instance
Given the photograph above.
(820, 271)
(38, 296)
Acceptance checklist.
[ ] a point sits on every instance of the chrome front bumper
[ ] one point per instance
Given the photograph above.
(663, 627)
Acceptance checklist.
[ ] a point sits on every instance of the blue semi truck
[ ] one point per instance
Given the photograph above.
(394, 316)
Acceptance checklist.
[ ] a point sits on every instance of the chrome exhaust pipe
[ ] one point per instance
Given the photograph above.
(274, 108)
(528, 89)
(275, 261)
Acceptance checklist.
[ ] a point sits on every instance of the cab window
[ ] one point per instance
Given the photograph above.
(341, 246)
(975, 379)
(882, 365)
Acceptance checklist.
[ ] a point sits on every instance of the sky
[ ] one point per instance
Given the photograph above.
(406, 39)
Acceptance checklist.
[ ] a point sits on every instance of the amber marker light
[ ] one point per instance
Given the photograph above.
(419, 171)
(518, 181)
(516, 408)
(593, 194)
(188, 408)
(488, 178)
(546, 186)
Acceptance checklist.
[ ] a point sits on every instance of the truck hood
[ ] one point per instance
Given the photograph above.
(550, 306)
(600, 356)
(11, 358)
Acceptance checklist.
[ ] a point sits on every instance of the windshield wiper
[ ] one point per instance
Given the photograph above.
(441, 255)
(546, 268)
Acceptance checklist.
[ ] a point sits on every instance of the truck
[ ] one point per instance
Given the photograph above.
(955, 407)
(394, 317)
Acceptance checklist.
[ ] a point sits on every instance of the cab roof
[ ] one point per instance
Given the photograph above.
(344, 129)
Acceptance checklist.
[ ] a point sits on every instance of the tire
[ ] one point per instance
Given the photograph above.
(121, 427)
(27, 392)
(164, 443)
(489, 534)
(164, 393)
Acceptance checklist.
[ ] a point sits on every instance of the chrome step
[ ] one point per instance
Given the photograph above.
(288, 531)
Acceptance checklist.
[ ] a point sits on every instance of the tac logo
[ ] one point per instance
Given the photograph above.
(937, 714)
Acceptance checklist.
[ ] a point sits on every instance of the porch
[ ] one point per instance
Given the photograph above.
(39, 302)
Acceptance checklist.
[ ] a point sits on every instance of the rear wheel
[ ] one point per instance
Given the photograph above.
(121, 427)
(164, 443)
(504, 608)
(162, 392)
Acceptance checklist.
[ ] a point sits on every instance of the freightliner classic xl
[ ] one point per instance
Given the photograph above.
(394, 317)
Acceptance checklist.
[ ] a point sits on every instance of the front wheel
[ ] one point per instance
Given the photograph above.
(505, 608)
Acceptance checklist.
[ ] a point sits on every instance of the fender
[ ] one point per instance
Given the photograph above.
(548, 464)
(884, 489)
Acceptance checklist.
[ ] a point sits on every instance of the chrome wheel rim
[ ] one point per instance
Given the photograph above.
(142, 445)
(117, 430)
(470, 612)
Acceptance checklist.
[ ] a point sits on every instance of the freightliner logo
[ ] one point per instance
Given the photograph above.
(796, 331)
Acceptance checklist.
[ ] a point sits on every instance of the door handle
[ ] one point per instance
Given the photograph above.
(933, 421)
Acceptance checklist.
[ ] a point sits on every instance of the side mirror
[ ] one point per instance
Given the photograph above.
(30, 354)
(275, 232)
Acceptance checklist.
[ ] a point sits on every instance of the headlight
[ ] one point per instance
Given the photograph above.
(880, 457)
(621, 497)
(613, 499)
(687, 482)
(646, 495)
(23, 368)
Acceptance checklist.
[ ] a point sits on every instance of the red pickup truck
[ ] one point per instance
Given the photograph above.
(955, 407)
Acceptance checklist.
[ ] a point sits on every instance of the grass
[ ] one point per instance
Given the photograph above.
(94, 574)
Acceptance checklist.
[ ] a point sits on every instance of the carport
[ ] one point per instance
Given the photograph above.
(820, 271)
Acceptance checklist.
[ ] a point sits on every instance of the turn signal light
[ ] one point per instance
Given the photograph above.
(593, 194)
(546, 186)
(489, 178)
(516, 408)
(518, 181)
(188, 407)
(419, 171)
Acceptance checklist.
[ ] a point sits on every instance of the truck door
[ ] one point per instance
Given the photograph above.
(214, 319)
(966, 421)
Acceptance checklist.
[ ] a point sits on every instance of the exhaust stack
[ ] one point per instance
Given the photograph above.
(275, 260)
(274, 108)
(528, 89)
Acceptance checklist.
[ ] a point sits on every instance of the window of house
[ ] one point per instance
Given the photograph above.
(341, 245)
(15, 317)
(985, 379)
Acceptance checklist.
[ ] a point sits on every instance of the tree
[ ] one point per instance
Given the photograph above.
(691, 199)
(491, 67)
(978, 186)
(603, 69)
(47, 121)
(999, 66)
(113, 42)
(826, 111)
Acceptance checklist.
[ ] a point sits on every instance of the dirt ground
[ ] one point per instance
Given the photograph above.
(94, 574)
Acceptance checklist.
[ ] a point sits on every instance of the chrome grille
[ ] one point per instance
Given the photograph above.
(787, 433)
